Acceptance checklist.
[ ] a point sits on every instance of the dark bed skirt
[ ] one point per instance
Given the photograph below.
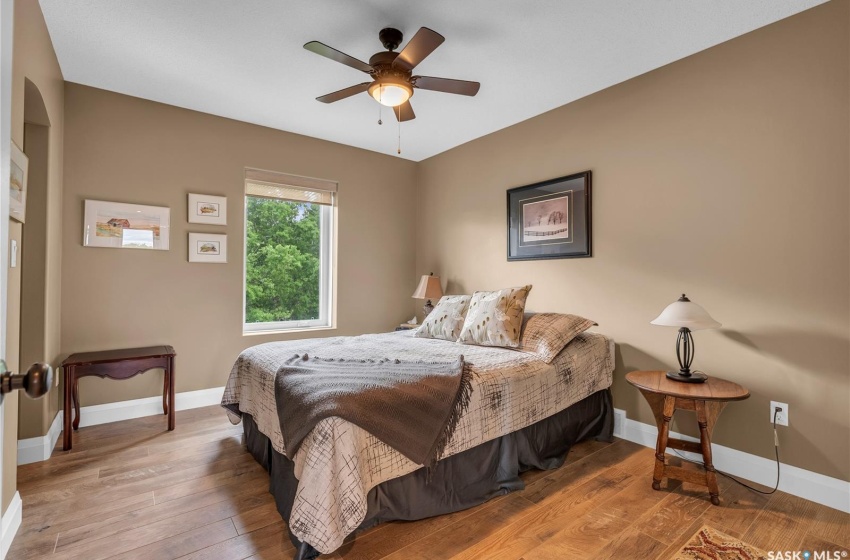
(458, 482)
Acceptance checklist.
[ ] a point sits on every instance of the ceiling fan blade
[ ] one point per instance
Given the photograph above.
(404, 112)
(422, 44)
(343, 93)
(446, 85)
(330, 52)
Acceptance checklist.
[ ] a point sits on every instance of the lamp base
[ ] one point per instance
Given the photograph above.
(683, 377)
(428, 308)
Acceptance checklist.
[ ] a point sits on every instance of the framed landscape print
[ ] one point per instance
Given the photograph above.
(550, 220)
(18, 184)
(207, 209)
(207, 248)
(126, 226)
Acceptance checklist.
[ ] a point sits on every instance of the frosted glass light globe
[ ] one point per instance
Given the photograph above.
(390, 94)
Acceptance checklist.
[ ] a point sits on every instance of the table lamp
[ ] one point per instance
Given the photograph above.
(429, 288)
(688, 316)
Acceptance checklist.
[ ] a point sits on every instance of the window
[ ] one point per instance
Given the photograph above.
(289, 242)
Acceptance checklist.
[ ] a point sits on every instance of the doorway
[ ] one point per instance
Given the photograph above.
(28, 280)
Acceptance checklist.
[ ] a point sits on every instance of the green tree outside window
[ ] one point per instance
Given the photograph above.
(283, 243)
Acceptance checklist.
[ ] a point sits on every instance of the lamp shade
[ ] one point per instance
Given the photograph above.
(428, 288)
(685, 313)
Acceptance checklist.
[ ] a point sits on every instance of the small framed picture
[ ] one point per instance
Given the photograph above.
(18, 184)
(207, 248)
(550, 220)
(126, 226)
(207, 209)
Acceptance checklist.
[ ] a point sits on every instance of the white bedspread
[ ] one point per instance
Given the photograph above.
(338, 463)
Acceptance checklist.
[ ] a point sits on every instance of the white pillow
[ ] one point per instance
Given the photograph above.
(446, 319)
(495, 318)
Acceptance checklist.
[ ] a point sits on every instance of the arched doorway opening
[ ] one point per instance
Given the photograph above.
(34, 416)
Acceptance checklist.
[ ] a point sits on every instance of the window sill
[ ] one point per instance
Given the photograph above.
(287, 331)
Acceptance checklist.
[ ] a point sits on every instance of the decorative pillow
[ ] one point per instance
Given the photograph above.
(546, 334)
(495, 318)
(446, 319)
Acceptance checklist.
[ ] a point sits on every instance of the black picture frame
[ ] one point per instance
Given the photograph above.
(565, 205)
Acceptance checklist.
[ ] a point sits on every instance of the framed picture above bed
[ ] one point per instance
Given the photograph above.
(551, 219)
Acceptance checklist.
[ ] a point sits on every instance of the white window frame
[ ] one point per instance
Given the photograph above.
(327, 270)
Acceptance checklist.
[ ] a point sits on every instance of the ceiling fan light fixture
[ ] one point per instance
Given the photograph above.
(390, 93)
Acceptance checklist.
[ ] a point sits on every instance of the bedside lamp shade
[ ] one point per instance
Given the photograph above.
(685, 313)
(429, 288)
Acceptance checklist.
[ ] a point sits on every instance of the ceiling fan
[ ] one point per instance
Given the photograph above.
(393, 81)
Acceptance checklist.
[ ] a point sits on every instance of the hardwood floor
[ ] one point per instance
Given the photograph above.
(133, 490)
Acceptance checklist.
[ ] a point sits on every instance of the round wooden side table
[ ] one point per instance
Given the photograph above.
(707, 400)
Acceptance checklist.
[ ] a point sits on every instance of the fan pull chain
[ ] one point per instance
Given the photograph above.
(380, 107)
(399, 129)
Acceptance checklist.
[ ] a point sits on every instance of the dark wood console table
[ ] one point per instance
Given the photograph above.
(116, 364)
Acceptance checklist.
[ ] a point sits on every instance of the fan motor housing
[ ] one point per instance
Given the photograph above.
(383, 58)
(382, 65)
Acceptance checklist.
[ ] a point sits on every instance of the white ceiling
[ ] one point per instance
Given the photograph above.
(244, 59)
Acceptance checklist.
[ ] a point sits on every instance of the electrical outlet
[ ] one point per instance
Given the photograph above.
(782, 415)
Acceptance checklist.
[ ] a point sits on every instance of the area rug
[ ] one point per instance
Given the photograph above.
(710, 544)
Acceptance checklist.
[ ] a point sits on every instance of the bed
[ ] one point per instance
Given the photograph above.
(523, 413)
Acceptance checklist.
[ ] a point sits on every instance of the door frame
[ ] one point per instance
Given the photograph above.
(7, 24)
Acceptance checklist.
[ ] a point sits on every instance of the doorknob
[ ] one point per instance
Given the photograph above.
(35, 382)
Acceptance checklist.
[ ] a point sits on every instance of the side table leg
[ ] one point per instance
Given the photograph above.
(68, 375)
(661, 444)
(76, 397)
(707, 413)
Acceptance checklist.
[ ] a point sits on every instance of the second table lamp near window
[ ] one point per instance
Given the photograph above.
(429, 288)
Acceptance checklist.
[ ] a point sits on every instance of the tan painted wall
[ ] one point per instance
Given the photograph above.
(130, 150)
(724, 175)
(35, 60)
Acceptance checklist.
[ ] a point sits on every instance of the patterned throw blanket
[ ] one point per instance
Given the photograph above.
(412, 406)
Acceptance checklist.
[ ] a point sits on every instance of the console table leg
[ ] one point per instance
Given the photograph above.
(165, 377)
(66, 413)
(76, 397)
(171, 411)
